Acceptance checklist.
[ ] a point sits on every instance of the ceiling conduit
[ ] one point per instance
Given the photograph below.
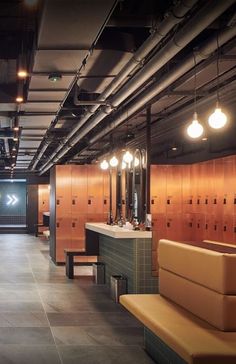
(174, 17)
(192, 28)
(203, 53)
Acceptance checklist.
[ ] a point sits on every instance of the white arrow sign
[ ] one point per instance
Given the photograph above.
(12, 200)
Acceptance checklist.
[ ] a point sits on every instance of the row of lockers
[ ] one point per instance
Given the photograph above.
(194, 188)
(81, 189)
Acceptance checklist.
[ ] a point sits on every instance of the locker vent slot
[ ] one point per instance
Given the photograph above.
(224, 201)
(225, 228)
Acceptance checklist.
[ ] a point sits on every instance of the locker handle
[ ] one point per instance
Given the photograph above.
(123, 202)
(152, 202)
(105, 202)
(168, 224)
(206, 226)
(206, 201)
(43, 202)
(235, 229)
(190, 224)
(190, 202)
(198, 201)
(73, 202)
(215, 201)
(89, 202)
(235, 201)
(58, 224)
(168, 201)
(225, 228)
(224, 201)
(198, 225)
(58, 202)
(215, 227)
(73, 224)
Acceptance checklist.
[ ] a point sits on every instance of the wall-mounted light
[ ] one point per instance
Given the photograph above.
(104, 165)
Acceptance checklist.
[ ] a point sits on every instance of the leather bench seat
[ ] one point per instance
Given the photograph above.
(214, 270)
(192, 339)
(217, 309)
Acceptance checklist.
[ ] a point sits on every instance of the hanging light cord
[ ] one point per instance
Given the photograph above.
(217, 69)
(195, 83)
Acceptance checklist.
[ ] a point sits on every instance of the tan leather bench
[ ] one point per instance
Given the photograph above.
(194, 340)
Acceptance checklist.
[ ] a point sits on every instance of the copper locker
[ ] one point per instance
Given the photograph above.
(78, 232)
(79, 189)
(186, 189)
(95, 190)
(199, 227)
(228, 229)
(106, 193)
(158, 189)
(63, 237)
(188, 227)
(63, 190)
(174, 226)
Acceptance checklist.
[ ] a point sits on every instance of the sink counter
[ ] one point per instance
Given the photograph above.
(117, 232)
(126, 252)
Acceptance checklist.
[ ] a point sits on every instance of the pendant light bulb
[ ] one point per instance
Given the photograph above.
(128, 157)
(136, 162)
(123, 165)
(195, 129)
(217, 119)
(104, 165)
(114, 161)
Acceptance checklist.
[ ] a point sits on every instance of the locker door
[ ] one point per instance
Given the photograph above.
(63, 190)
(158, 189)
(174, 227)
(188, 227)
(218, 188)
(63, 237)
(95, 190)
(228, 229)
(79, 192)
(186, 189)
(106, 193)
(229, 186)
(199, 227)
(78, 232)
(194, 186)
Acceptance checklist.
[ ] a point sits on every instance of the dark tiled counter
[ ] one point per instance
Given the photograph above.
(131, 258)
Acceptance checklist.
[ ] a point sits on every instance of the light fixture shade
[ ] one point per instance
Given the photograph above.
(195, 129)
(217, 119)
(104, 165)
(114, 161)
(128, 157)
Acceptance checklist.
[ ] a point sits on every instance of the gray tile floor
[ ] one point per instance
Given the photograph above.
(46, 318)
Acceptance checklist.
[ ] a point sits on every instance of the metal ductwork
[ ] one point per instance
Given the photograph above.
(65, 40)
(203, 53)
(173, 18)
(192, 28)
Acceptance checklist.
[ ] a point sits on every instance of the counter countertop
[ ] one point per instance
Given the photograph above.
(117, 232)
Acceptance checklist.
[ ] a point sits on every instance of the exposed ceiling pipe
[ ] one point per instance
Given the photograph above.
(142, 100)
(203, 53)
(191, 29)
(172, 18)
(46, 140)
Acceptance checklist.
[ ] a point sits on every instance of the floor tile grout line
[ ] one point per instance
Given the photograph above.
(45, 312)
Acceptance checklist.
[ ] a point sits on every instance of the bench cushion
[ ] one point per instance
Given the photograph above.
(211, 269)
(192, 339)
(217, 309)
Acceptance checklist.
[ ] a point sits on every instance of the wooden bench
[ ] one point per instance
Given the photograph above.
(91, 249)
(178, 335)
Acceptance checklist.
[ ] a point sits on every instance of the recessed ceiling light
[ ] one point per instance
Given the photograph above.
(22, 74)
(54, 77)
(19, 99)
